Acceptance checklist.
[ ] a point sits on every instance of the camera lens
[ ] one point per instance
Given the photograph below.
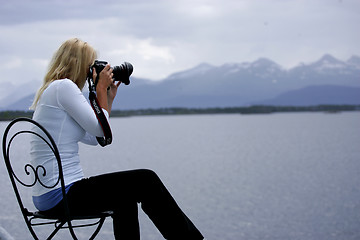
(122, 73)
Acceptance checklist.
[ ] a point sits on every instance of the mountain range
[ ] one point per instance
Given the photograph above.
(262, 82)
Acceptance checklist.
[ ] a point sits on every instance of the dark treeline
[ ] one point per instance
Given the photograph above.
(239, 110)
(9, 115)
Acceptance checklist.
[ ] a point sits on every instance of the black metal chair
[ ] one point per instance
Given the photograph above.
(33, 174)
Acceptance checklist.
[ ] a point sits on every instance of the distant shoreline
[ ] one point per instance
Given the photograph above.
(256, 109)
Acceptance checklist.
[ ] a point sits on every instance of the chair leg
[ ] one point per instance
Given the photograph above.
(31, 229)
(97, 228)
(56, 230)
(71, 230)
(95, 233)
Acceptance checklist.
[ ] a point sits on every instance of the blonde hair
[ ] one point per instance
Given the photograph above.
(71, 61)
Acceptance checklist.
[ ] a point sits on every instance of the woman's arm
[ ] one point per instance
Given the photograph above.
(71, 100)
(106, 89)
(74, 103)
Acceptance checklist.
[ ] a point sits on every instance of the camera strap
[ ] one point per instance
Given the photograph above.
(107, 139)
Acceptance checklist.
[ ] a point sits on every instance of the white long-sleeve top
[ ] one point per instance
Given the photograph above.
(69, 118)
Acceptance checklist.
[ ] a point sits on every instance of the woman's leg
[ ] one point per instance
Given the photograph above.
(125, 222)
(121, 191)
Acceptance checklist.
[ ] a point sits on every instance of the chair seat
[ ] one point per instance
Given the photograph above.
(39, 214)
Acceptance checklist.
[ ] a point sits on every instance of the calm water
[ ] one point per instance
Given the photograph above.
(256, 177)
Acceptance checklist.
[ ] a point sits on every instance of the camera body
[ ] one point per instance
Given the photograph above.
(121, 73)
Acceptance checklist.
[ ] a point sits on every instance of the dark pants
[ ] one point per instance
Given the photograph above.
(120, 192)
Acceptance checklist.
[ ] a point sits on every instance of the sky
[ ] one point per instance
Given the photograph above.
(160, 37)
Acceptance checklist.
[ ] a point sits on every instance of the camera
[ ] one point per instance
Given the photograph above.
(121, 73)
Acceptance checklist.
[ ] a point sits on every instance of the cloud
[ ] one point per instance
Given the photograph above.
(143, 48)
(160, 37)
(12, 63)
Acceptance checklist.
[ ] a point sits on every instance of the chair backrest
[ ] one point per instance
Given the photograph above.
(25, 172)
(17, 150)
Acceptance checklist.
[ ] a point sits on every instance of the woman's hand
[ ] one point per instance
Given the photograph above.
(105, 78)
(105, 81)
(111, 93)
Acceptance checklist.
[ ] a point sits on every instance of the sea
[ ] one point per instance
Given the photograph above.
(277, 176)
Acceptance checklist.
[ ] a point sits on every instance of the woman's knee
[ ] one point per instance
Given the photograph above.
(149, 175)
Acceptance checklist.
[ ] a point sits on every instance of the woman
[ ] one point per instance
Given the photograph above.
(62, 109)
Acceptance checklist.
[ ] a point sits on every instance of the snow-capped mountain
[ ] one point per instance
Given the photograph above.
(200, 69)
(11, 94)
(354, 61)
(238, 84)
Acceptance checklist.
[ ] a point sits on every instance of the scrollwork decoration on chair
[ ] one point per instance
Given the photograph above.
(33, 170)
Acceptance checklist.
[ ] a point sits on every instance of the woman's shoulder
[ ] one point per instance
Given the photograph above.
(62, 88)
(64, 85)
(62, 82)
(65, 82)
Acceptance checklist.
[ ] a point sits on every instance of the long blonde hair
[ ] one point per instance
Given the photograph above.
(72, 61)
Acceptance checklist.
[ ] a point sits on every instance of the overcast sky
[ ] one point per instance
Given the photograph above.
(160, 37)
